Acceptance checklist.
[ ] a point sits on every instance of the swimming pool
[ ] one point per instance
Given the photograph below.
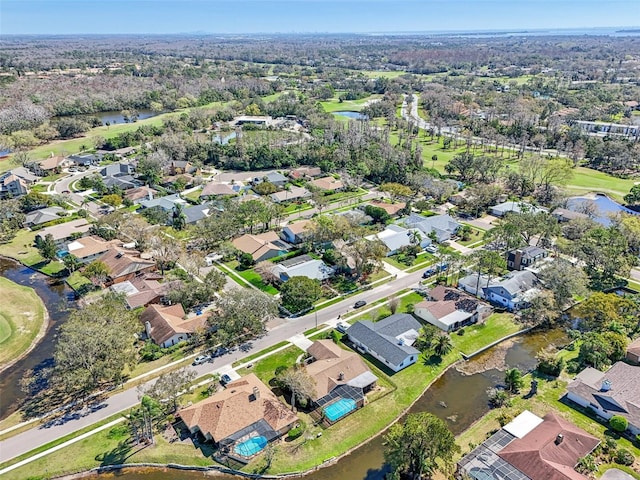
(339, 409)
(251, 447)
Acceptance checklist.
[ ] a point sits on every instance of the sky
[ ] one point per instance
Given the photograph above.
(308, 16)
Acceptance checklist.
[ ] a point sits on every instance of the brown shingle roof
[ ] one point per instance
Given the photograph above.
(438, 309)
(65, 230)
(257, 245)
(214, 188)
(139, 192)
(331, 361)
(51, 162)
(390, 208)
(299, 227)
(539, 456)
(634, 347)
(234, 408)
(88, 246)
(123, 262)
(327, 183)
(165, 322)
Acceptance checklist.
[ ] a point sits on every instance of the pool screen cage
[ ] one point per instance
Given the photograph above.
(258, 429)
(341, 391)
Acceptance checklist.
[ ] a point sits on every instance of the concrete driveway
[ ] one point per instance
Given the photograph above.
(615, 474)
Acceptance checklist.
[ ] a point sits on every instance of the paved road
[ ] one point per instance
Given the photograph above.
(64, 184)
(38, 436)
(615, 474)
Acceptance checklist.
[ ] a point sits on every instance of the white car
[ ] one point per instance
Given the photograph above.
(432, 249)
(211, 258)
(201, 359)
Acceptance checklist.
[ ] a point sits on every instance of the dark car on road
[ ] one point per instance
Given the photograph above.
(359, 304)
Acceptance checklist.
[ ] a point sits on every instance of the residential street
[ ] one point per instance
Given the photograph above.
(38, 435)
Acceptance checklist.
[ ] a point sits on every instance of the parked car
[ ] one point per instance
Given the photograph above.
(432, 249)
(224, 379)
(342, 327)
(201, 359)
(218, 352)
(429, 272)
(359, 304)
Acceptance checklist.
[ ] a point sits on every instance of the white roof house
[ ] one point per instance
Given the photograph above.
(303, 266)
(396, 237)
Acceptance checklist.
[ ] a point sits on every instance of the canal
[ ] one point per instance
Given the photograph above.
(458, 397)
(57, 298)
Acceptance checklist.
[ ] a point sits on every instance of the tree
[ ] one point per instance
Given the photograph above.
(442, 345)
(265, 270)
(300, 293)
(605, 252)
(396, 190)
(71, 262)
(150, 168)
(566, 282)
(488, 262)
(178, 218)
(299, 384)
(426, 336)
(513, 380)
(241, 315)
(97, 271)
(94, 345)
(599, 350)
(169, 386)
(549, 363)
(379, 215)
(47, 247)
(419, 447)
(166, 251)
(633, 197)
(600, 310)
(367, 255)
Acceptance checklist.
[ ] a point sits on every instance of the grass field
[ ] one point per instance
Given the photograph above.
(265, 368)
(381, 73)
(587, 180)
(498, 325)
(22, 315)
(253, 278)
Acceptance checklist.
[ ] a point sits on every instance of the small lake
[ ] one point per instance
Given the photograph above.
(56, 297)
(351, 114)
(605, 207)
(115, 117)
(458, 398)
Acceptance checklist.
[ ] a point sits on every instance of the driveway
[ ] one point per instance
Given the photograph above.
(63, 185)
(615, 474)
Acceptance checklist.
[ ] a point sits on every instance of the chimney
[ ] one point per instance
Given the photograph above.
(256, 393)
(401, 341)
(147, 328)
(559, 439)
(606, 386)
(517, 261)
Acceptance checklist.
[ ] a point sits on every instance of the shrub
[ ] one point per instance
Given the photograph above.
(498, 398)
(461, 332)
(618, 423)
(624, 457)
(117, 432)
(296, 431)
(586, 464)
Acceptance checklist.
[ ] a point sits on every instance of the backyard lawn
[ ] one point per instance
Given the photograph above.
(498, 325)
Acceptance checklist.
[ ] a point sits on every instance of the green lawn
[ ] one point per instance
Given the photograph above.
(498, 325)
(260, 353)
(256, 280)
(381, 73)
(22, 315)
(78, 282)
(475, 237)
(587, 180)
(265, 368)
(193, 196)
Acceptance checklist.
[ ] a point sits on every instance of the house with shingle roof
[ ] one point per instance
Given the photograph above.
(514, 206)
(452, 312)
(261, 247)
(216, 189)
(43, 215)
(245, 408)
(48, 166)
(328, 184)
(521, 258)
(389, 340)
(296, 232)
(166, 203)
(614, 392)
(12, 185)
(168, 325)
(305, 172)
(139, 194)
(529, 448)
(88, 249)
(393, 209)
(442, 226)
(125, 264)
(142, 291)
(64, 233)
(303, 266)
(289, 195)
(633, 351)
(396, 237)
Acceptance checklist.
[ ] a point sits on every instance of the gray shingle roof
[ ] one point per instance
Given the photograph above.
(444, 226)
(381, 337)
(515, 283)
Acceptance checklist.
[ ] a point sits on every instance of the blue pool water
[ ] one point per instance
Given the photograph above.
(350, 114)
(251, 447)
(339, 409)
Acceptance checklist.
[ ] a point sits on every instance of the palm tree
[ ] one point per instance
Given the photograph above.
(414, 237)
(442, 345)
(513, 380)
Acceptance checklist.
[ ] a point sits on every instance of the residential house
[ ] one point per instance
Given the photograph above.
(514, 291)
(396, 237)
(124, 265)
(449, 309)
(215, 189)
(48, 166)
(614, 392)
(139, 194)
(389, 340)
(305, 173)
(168, 325)
(392, 209)
(328, 184)
(303, 266)
(180, 167)
(23, 173)
(88, 249)
(529, 448)
(338, 375)
(64, 233)
(44, 215)
(196, 213)
(276, 178)
(514, 206)
(85, 160)
(246, 408)
(117, 170)
(12, 186)
(564, 215)
(296, 232)
(123, 182)
(633, 351)
(166, 203)
(261, 247)
(262, 121)
(355, 217)
(142, 291)
(289, 195)
(521, 258)
(124, 151)
(441, 227)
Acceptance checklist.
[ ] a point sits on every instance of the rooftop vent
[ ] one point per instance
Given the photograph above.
(256, 393)
(559, 439)
(341, 376)
(606, 386)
